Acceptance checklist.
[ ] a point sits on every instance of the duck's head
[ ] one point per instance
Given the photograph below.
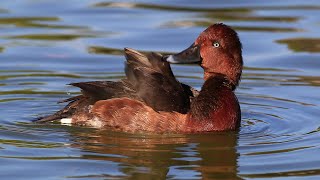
(218, 50)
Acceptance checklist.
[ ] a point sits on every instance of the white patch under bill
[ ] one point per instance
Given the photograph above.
(66, 121)
(171, 59)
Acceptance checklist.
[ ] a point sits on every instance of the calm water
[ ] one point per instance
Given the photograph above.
(45, 44)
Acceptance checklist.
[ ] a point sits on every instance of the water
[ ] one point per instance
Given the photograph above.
(46, 44)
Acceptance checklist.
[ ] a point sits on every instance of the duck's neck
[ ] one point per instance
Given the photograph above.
(216, 107)
(232, 82)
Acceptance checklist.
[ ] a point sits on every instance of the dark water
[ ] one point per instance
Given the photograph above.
(45, 44)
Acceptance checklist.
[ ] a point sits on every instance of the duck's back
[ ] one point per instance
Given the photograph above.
(149, 79)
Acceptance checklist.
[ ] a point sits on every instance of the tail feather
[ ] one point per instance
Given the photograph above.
(77, 103)
(75, 98)
(49, 118)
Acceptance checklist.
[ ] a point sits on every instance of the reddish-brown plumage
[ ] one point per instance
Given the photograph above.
(129, 115)
(215, 109)
(228, 115)
(227, 59)
(151, 99)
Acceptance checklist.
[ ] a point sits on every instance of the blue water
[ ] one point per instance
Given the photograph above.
(46, 44)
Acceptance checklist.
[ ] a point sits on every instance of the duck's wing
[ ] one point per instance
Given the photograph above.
(76, 103)
(91, 92)
(99, 90)
(154, 82)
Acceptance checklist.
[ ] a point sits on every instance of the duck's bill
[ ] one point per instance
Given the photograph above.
(187, 56)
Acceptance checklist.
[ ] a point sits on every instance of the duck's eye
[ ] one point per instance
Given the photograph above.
(216, 44)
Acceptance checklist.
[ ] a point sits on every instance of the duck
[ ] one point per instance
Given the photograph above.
(150, 98)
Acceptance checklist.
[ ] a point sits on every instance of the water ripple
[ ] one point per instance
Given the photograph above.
(45, 45)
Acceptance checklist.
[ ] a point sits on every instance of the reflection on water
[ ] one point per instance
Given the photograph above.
(51, 37)
(105, 50)
(238, 28)
(152, 156)
(45, 45)
(29, 21)
(214, 15)
(311, 45)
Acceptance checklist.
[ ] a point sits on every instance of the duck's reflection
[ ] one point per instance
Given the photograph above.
(141, 156)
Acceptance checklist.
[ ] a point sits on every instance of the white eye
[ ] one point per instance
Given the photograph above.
(216, 44)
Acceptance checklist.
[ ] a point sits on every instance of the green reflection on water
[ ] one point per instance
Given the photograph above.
(104, 176)
(52, 37)
(35, 22)
(29, 144)
(114, 51)
(285, 76)
(167, 8)
(221, 14)
(17, 99)
(239, 17)
(3, 77)
(32, 83)
(201, 9)
(24, 71)
(105, 50)
(40, 158)
(311, 45)
(31, 91)
(174, 24)
(294, 174)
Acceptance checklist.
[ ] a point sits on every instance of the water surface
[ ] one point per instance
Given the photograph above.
(46, 44)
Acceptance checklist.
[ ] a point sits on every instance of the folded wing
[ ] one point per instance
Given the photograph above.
(149, 79)
(154, 82)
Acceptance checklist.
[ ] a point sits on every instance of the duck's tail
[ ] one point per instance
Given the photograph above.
(66, 112)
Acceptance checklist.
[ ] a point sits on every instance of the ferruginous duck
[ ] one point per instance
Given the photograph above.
(150, 99)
